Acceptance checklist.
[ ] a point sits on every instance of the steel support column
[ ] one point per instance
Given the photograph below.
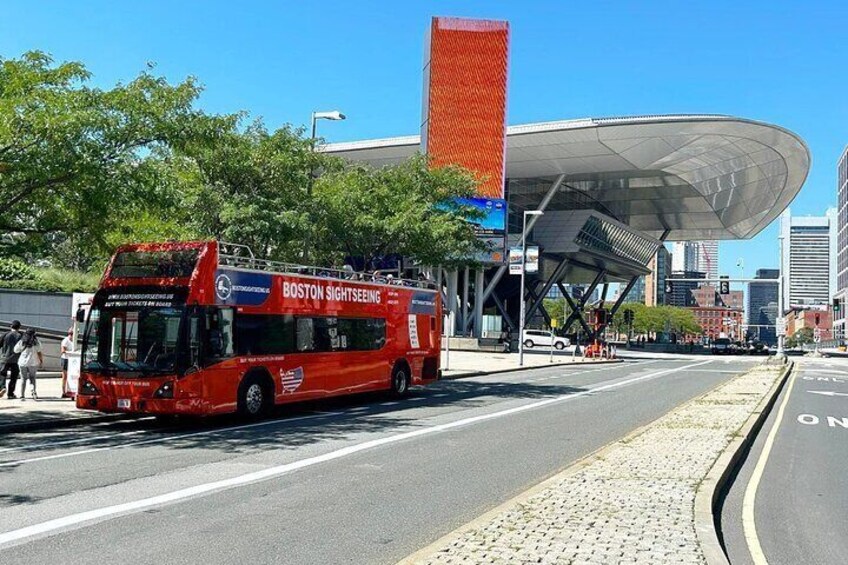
(502, 309)
(550, 282)
(478, 303)
(464, 308)
(537, 298)
(578, 313)
(575, 309)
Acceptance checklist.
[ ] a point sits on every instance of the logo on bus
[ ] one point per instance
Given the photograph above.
(291, 379)
(223, 286)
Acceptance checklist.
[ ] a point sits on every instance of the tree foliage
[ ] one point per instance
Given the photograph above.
(408, 209)
(84, 169)
(74, 159)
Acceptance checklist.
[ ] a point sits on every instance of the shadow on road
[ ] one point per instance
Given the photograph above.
(292, 426)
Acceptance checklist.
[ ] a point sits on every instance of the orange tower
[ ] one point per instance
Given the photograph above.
(464, 111)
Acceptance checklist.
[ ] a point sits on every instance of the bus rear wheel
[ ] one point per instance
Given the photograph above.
(253, 398)
(400, 380)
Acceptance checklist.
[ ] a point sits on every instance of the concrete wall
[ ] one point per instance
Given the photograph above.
(49, 310)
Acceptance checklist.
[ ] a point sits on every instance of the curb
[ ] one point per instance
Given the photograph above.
(516, 369)
(54, 423)
(710, 489)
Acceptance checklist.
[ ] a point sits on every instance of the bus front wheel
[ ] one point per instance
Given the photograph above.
(400, 380)
(253, 397)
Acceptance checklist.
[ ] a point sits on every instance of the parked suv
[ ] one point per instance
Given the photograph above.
(540, 338)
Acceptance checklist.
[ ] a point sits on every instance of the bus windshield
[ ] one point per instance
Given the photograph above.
(144, 340)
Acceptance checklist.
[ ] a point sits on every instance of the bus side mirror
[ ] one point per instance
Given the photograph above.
(80, 315)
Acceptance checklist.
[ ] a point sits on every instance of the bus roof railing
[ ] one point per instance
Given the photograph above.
(242, 257)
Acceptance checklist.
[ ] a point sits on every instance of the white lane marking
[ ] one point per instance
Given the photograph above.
(749, 527)
(162, 439)
(272, 472)
(828, 393)
(563, 375)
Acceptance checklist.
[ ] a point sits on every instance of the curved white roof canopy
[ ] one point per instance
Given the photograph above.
(698, 176)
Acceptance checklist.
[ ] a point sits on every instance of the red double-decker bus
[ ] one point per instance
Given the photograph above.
(202, 328)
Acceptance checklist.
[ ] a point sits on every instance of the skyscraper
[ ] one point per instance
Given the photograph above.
(762, 306)
(841, 291)
(655, 281)
(707, 253)
(684, 256)
(809, 257)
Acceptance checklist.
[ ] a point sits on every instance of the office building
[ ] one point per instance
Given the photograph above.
(679, 293)
(655, 283)
(707, 254)
(684, 256)
(809, 257)
(762, 306)
(841, 291)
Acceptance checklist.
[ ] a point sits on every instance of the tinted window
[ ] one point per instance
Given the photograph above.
(269, 335)
(264, 335)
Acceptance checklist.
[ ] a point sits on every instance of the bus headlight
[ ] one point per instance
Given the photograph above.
(87, 387)
(165, 391)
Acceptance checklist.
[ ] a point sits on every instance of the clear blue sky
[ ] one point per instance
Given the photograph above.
(780, 62)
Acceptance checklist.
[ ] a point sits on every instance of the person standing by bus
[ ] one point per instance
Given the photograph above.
(30, 360)
(9, 359)
(67, 346)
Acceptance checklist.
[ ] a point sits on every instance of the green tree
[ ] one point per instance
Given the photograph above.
(801, 337)
(407, 209)
(77, 161)
(251, 187)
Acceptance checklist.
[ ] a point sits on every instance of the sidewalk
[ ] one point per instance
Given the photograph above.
(470, 363)
(631, 502)
(50, 410)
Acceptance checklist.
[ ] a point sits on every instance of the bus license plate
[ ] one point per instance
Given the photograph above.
(124, 403)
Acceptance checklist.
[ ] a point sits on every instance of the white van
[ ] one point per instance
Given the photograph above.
(541, 338)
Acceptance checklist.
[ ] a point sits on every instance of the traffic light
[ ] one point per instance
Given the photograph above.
(628, 317)
(724, 286)
(817, 319)
(836, 305)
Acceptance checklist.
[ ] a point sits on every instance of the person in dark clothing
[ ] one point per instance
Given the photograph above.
(9, 359)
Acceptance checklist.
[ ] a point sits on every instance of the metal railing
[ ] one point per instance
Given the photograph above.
(241, 257)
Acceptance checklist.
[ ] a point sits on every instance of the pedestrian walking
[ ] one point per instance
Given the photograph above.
(30, 360)
(9, 359)
(66, 347)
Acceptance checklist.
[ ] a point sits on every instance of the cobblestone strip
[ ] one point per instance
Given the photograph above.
(632, 502)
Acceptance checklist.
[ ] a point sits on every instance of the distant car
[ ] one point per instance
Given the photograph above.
(722, 346)
(540, 338)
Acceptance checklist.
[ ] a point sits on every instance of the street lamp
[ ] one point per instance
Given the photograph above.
(335, 115)
(521, 292)
(781, 336)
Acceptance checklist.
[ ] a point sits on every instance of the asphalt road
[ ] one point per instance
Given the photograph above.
(799, 508)
(357, 480)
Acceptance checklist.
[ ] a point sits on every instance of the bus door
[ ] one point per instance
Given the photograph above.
(211, 349)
